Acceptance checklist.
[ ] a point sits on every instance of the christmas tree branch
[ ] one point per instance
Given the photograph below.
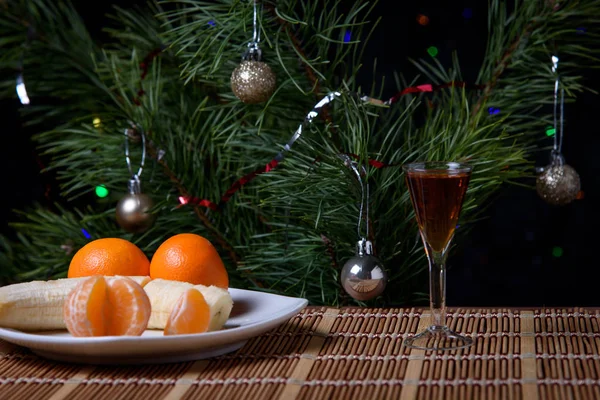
(500, 68)
(201, 216)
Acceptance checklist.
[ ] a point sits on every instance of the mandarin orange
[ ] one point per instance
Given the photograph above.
(113, 306)
(109, 256)
(190, 314)
(188, 257)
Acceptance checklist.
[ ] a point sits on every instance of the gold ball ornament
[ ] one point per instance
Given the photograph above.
(253, 82)
(558, 184)
(132, 211)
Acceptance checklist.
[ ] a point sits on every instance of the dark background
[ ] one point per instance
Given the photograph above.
(511, 258)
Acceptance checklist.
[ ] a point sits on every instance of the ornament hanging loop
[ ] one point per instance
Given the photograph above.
(136, 176)
(254, 52)
(558, 122)
(133, 210)
(363, 213)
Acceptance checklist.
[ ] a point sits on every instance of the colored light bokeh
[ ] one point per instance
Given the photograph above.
(101, 191)
(347, 36)
(550, 131)
(212, 23)
(433, 51)
(557, 251)
(423, 19)
(494, 110)
(97, 122)
(86, 233)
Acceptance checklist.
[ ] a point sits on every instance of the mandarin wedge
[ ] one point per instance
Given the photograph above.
(100, 306)
(85, 310)
(129, 307)
(164, 294)
(191, 314)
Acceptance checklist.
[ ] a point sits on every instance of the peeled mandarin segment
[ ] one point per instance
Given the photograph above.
(191, 314)
(84, 310)
(129, 307)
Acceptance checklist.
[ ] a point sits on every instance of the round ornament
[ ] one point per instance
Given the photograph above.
(253, 82)
(363, 276)
(558, 184)
(132, 211)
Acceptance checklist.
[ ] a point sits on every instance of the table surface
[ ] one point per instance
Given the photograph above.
(351, 353)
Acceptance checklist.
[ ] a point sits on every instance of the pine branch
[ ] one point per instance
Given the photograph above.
(501, 67)
(201, 216)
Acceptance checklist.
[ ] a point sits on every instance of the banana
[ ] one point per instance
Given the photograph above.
(164, 293)
(38, 305)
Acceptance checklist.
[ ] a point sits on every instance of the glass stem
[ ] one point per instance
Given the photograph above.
(437, 285)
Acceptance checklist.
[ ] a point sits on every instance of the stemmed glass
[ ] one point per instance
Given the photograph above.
(437, 190)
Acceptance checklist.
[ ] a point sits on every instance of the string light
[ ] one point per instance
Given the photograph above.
(494, 110)
(86, 233)
(101, 191)
(97, 122)
(557, 251)
(423, 19)
(212, 23)
(433, 51)
(550, 131)
(347, 36)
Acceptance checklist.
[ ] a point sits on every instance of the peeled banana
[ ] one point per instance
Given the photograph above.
(164, 293)
(38, 305)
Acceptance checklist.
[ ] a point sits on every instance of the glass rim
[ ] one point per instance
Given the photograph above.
(424, 166)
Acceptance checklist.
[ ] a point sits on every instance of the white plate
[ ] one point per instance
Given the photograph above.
(253, 314)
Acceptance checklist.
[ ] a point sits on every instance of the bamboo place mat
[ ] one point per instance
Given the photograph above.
(351, 353)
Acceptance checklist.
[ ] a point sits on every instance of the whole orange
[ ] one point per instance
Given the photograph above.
(109, 256)
(189, 258)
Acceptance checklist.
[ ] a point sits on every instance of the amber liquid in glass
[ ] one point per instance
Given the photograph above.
(437, 198)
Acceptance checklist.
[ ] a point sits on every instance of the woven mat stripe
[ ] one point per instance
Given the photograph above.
(528, 366)
(415, 366)
(300, 373)
(346, 382)
(183, 384)
(70, 384)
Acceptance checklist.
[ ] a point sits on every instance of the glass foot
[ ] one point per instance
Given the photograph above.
(438, 338)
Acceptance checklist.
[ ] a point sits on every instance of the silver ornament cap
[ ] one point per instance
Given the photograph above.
(253, 82)
(559, 183)
(363, 277)
(132, 211)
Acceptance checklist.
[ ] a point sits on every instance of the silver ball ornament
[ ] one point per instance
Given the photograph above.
(558, 184)
(253, 82)
(132, 211)
(363, 277)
